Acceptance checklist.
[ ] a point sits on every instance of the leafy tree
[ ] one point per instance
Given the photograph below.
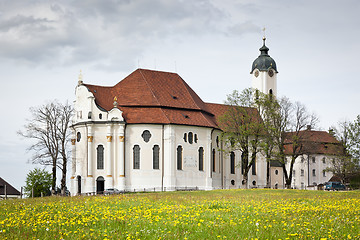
(38, 181)
(49, 128)
(242, 128)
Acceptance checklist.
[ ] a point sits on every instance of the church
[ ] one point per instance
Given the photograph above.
(152, 132)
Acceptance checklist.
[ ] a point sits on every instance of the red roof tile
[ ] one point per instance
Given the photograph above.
(147, 96)
(314, 142)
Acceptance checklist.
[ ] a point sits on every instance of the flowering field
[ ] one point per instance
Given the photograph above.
(222, 214)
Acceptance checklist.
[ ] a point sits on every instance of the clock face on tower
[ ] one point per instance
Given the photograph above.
(256, 73)
(271, 73)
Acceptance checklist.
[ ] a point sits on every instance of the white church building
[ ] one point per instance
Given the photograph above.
(152, 132)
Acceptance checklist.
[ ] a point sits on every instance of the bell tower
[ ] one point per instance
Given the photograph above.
(264, 72)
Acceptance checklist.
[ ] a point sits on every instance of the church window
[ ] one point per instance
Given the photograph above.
(146, 135)
(324, 160)
(179, 158)
(293, 173)
(302, 159)
(302, 172)
(217, 141)
(190, 137)
(195, 138)
(156, 157)
(233, 182)
(78, 136)
(276, 172)
(185, 137)
(89, 115)
(201, 159)
(232, 163)
(324, 173)
(100, 116)
(136, 157)
(253, 167)
(314, 172)
(313, 159)
(213, 160)
(100, 157)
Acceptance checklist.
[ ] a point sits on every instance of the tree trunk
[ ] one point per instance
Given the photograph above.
(63, 179)
(268, 184)
(53, 184)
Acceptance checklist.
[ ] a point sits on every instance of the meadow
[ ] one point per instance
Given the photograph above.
(220, 214)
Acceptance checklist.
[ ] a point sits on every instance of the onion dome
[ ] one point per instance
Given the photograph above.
(264, 62)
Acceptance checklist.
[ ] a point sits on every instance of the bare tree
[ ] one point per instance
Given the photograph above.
(346, 163)
(48, 127)
(297, 139)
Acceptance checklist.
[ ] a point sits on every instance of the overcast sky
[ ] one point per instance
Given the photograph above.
(211, 44)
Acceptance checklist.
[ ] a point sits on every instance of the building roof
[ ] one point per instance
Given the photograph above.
(148, 96)
(10, 190)
(264, 62)
(314, 142)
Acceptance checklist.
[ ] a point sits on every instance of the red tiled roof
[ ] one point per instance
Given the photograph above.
(314, 142)
(147, 96)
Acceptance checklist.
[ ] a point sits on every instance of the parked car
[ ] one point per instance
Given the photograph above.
(334, 186)
(110, 191)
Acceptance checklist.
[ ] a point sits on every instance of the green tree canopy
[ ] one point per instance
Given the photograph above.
(38, 181)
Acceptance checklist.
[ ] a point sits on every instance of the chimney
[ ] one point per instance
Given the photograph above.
(308, 127)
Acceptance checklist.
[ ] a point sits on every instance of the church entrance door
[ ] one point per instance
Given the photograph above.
(100, 184)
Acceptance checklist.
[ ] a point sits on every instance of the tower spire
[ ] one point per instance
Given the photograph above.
(80, 82)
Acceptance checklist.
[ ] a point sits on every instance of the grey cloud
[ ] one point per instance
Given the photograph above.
(242, 28)
(101, 32)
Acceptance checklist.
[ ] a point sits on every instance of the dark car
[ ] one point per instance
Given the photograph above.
(110, 191)
(334, 186)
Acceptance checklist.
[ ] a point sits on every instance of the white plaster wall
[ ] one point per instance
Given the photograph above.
(301, 182)
(146, 176)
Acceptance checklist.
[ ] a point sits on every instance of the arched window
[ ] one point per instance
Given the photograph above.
(185, 137)
(100, 157)
(136, 157)
(213, 160)
(156, 150)
(232, 163)
(201, 159)
(78, 136)
(190, 137)
(314, 172)
(100, 116)
(253, 167)
(179, 158)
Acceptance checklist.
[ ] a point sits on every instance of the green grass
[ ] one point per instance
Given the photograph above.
(222, 214)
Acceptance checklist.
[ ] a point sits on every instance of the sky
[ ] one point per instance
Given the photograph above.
(211, 44)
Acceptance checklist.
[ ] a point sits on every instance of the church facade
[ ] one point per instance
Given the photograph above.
(152, 132)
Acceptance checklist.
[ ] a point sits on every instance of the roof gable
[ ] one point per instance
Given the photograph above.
(10, 190)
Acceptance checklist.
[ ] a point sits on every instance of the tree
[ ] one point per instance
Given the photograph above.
(49, 128)
(242, 128)
(284, 123)
(38, 181)
(346, 164)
